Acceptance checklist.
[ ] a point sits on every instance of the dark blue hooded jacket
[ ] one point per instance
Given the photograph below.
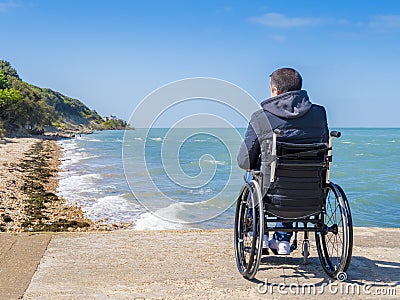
(294, 114)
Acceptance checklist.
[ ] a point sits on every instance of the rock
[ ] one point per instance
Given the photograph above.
(7, 218)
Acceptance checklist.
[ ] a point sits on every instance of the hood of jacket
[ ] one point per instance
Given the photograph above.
(290, 105)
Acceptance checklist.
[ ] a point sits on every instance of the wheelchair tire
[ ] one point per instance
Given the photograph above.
(335, 241)
(249, 230)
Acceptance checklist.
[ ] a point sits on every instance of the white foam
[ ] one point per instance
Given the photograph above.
(215, 162)
(83, 157)
(157, 139)
(68, 144)
(71, 186)
(73, 154)
(163, 219)
(114, 208)
(72, 158)
(200, 191)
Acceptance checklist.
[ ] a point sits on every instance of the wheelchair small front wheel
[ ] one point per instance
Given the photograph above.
(335, 240)
(306, 251)
(249, 229)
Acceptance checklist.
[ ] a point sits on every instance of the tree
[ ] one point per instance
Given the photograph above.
(3, 80)
(10, 103)
(8, 70)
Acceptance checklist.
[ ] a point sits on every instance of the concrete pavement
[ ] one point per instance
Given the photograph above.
(184, 265)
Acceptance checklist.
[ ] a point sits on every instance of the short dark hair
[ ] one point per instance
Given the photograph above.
(286, 80)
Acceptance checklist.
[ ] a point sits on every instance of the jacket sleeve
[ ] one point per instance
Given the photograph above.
(250, 149)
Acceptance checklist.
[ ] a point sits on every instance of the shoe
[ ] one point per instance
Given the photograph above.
(279, 247)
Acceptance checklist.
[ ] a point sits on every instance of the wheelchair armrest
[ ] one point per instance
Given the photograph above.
(336, 134)
(278, 132)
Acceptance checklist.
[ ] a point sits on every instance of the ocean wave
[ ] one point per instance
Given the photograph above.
(215, 162)
(149, 221)
(71, 158)
(169, 217)
(201, 191)
(114, 209)
(68, 145)
(76, 184)
(157, 139)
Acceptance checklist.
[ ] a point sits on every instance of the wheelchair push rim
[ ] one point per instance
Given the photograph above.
(335, 240)
(249, 230)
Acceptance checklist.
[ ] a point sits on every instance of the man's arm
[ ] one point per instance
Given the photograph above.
(249, 150)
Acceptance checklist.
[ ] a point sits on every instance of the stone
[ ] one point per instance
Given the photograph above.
(7, 218)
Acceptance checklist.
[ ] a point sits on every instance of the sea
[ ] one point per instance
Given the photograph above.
(188, 178)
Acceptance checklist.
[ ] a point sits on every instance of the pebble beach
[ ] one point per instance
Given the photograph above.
(28, 184)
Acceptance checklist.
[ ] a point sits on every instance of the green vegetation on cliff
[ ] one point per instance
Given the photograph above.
(25, 108)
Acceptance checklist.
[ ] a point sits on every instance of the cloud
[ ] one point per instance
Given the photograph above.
(385, 22)
(6, 6)
(282, 21)
(279, 38)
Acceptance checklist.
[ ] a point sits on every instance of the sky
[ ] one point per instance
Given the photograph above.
(112, 54)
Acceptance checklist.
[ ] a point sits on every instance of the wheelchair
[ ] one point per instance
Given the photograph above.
(293, 185)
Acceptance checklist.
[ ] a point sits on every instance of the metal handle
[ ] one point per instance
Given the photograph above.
(273, 153)
(336, 134)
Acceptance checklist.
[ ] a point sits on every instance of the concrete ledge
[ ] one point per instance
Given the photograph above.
(201, 265)
(20, 255)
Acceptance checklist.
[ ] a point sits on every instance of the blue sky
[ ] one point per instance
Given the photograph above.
(111, 54)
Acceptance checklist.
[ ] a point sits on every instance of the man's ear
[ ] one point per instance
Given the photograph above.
(274, 91)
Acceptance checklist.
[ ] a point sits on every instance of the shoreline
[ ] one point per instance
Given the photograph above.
(29, 178)
(28, 189)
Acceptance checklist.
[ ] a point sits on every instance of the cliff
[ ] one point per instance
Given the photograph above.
(26, 108)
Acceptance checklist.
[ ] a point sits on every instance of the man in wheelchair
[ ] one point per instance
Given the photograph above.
(287, 151)
(290, 110)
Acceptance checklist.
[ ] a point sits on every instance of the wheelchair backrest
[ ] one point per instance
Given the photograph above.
(294, 178)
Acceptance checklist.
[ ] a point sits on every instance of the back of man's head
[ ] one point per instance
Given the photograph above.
(286, 80)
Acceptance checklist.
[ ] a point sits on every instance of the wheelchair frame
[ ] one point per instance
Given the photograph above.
(332, 225)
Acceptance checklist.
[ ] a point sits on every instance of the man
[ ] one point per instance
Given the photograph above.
(290, 110)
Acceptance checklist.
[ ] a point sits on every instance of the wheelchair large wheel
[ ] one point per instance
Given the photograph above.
(335, 241)
(249, 230)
